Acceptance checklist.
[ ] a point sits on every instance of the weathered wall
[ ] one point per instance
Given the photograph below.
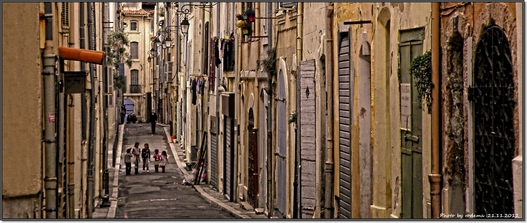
(464, 23)
(360, 128)
(518, 161)
(390, 19)
(22, 94)
(286, 32)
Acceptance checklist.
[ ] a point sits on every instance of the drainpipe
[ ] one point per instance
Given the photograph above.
(269, 120)
(49, 107)
(91, 150)
(328, 198)
(71, 160)
(82, 41)
(297, 206)
(218, 79)
(106, 177)
(435, 177)
(238, 66)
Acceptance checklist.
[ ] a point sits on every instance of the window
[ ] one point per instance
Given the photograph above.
(134, 47)
(133, 26)
(151, 25)
(65, 14)
(227, 46)
(286, 4)
(246, 5)
(134, 81)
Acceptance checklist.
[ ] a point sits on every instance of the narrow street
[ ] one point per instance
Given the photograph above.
(159, 195)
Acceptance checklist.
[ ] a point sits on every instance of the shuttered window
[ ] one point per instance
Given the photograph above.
(286, 4)
(134, 47)
(65, 16)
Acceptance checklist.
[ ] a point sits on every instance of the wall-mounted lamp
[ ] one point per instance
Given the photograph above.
(158, 42)
(167, 43)
(184, 26)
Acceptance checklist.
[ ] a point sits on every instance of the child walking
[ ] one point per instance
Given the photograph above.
(164, 160)
(128, 161)
(145, 154)
(157, 160)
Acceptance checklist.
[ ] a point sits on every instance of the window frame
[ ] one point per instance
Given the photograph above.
(132, 22)
(134, 81)
(134, 51)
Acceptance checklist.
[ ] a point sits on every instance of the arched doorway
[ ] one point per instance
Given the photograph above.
(492, 95)
(130, 107)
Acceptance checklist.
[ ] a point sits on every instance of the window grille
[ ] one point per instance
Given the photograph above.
(134, 81)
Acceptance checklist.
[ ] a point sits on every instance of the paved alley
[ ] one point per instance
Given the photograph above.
(159, 195)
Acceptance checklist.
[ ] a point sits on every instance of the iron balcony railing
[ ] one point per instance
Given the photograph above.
(134, 88)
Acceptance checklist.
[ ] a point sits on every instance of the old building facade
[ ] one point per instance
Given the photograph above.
(63, 171)
(301, 109)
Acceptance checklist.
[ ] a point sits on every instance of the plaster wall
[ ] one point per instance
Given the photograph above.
(470, 19)
(357, 12)
(388, 20)
(22, 92)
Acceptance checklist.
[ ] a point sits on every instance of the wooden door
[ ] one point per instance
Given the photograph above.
(307, 130)
(411, 132)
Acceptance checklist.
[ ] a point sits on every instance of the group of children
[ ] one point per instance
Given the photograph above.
(135, 154)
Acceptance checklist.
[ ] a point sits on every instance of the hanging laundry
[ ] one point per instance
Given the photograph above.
(198, 85)
(217, 53)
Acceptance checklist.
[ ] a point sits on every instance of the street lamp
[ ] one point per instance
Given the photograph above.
(184, 26)
(158, 42)
(167, 42)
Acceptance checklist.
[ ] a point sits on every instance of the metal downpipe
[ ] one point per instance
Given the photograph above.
(91, 150)
(297, 201)
(49, 60)
(435, 177)
(106, 176)
(269, 123)
(328, 170)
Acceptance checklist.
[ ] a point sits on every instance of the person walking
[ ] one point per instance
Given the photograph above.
(128, 161)
(136, 152)
(153, 119)
(157, 160)
(145, 154)
(164, 160)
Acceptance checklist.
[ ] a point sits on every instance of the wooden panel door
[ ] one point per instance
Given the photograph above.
(307, 130)
(411, 132)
